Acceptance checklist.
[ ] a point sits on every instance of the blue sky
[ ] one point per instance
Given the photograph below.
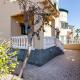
(73, 6)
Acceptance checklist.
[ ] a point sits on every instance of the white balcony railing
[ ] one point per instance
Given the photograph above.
(49, 42)
(59, 44)
(52, 41)
(20, 42)
(73, 41)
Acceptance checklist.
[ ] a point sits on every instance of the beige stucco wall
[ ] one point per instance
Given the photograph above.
(53, 28)
(15, 28)
(6, 11)
(9, 27)
(49, 31)
(38, 44)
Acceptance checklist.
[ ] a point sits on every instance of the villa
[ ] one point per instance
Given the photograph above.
(66, 30)
(11, 16)
(51, 31)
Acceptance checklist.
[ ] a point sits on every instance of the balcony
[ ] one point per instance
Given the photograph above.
(52, 41)
(49, 42)
(21, 42)
(52, 6)
(54, 3)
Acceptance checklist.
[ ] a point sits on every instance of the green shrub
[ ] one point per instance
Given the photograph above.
(8, 60)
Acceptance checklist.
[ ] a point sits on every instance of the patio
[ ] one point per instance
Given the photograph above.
(63, 67)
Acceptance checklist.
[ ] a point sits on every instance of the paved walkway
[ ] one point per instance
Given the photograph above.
(68, 66)
(63, 67)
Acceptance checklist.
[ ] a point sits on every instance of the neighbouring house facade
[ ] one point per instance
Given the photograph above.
(76, 35)
(11, 17)
(66, 30)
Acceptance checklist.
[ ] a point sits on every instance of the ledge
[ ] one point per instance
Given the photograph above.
(72, 46)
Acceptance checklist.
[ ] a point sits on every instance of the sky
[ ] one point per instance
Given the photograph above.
(73, 6)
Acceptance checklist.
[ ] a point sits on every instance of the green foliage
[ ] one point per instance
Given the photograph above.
(8, 60)
(77, 30)
(77, 33)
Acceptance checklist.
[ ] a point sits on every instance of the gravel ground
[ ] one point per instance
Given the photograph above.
(63, 67)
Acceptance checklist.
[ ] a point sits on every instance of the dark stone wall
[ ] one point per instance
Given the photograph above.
(39, 57)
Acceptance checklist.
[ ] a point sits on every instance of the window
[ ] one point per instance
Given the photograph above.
(62, 38)
(22, 28)
(64, 25)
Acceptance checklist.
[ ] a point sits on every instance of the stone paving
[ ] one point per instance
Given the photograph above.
(63, 67)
